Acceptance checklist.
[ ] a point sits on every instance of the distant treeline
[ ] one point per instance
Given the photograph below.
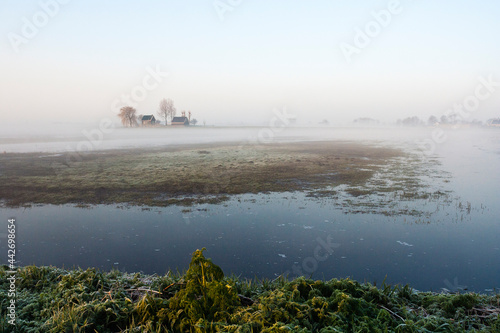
(453, 119)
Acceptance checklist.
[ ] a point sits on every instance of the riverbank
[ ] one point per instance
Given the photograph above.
(203, 300)
(204, 173)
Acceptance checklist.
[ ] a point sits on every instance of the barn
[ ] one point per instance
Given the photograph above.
(148, 120)
(180, 121)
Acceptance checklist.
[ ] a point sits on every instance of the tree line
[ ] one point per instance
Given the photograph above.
(452, 119)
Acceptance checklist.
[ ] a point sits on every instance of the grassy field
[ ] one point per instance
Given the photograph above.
(185, 175)
(204, 300)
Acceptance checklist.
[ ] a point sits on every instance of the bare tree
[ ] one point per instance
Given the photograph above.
(163, 110)
(172, 111)
(127, 116)
(193, 121)
(166, 109)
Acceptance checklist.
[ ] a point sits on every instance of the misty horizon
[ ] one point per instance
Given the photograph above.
(66, 61)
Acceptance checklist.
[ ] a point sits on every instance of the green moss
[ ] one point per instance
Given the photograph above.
(206, 297)
(50, 299)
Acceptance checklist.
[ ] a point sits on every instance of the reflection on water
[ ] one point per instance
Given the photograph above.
(455, 247)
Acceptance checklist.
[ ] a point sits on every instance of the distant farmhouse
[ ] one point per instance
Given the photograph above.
(148, 120)
(494, 122)
(181, 121)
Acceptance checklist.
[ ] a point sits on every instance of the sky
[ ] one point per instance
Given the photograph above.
(235, 61)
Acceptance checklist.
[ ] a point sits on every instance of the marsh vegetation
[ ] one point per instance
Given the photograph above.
(186, 175)
(51, 299)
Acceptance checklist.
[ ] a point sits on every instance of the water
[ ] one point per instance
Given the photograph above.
(455, 247)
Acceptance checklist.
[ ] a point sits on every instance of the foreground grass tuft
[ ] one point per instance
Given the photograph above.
(51, 299)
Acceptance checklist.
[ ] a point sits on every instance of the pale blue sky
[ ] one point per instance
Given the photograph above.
(263, 55)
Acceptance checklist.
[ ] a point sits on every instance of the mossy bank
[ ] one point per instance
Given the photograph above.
(51, 299)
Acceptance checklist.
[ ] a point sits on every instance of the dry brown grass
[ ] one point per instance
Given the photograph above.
(159, 177)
